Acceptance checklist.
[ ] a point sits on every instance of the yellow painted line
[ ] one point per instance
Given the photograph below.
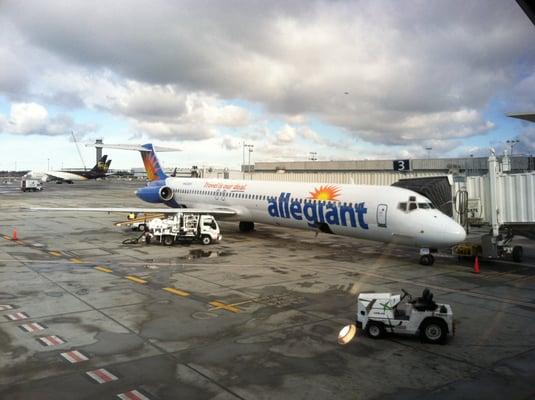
(228, 307)
(76, 260)
(7, 237)
(176, 291)
(54, 253)
(103, 269)
(135, 279)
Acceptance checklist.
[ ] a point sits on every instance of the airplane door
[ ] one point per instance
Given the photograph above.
(381, 215)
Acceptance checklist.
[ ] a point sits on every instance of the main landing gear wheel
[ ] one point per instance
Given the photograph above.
(246, 226)
(427, 259)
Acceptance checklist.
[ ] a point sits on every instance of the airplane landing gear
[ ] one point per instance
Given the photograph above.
(246, 226)
(426, 258)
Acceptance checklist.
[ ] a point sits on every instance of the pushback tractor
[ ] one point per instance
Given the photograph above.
(382, 313)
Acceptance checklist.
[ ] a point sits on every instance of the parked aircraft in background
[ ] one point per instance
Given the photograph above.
(100, 170)
(381, 213)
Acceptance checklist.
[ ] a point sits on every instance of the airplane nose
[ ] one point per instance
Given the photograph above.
(455, 233)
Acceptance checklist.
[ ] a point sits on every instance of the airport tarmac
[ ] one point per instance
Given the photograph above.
(253, 317)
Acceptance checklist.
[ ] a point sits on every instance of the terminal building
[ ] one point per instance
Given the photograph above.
(376, 172)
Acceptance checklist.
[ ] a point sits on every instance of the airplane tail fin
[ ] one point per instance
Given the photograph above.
(107, 166)
(101, 164)
(152, 165)
(150, 161)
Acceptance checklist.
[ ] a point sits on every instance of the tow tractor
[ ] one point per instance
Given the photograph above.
(183, 227)
(382, 313)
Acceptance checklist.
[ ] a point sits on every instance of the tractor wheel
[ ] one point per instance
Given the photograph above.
(375, 330)
(206, 240)
(434, 331)
(518, 252)
(168, 240)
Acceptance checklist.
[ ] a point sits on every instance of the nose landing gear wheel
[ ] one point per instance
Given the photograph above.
(427, 259)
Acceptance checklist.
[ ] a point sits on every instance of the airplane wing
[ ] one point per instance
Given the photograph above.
(219, 211)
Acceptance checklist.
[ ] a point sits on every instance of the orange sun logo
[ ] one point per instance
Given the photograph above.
(325, 193)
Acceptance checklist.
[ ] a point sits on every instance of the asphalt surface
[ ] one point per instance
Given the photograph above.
(254, 317)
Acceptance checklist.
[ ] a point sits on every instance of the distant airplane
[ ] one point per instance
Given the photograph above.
(381, 213)
(100, 170)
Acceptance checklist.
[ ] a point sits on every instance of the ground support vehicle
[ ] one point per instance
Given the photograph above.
(31, 185)
(183, 227)
(492, 247)
(382, 313)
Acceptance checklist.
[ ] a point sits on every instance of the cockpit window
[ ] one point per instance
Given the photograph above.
(402, 206)
(412, 206)
(425, 206)
(431, 206)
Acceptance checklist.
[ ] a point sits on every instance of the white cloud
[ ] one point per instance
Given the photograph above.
(285, 135)
(412, 72)
(34, 119)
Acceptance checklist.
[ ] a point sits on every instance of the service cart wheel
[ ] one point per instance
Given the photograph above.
(206, 240)
(434, 331)
(427, 259)
(141, 227)
(518, 253)
(375, 330)
(168, 240)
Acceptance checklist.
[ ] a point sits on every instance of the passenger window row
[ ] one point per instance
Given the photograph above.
(260, 197)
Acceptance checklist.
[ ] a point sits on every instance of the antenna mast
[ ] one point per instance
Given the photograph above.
(78, 148)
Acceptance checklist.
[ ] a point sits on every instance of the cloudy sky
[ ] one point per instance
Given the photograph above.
(344, 79)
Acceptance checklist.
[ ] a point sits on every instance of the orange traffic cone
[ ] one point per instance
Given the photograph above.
(476, 265)
(15, 234)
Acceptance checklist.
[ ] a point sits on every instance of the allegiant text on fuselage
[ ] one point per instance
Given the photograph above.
(318, 211)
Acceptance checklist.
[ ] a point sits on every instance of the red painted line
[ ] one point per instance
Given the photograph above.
(132, 395)
(101, 373)
(54, 340)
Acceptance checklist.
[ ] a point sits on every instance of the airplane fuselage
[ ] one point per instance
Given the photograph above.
(381, 213)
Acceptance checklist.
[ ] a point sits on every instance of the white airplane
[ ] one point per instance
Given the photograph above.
(100, 170)
(381, 213)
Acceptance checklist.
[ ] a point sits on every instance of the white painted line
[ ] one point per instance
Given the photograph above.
(32, 327)
(132, 395)
(101, 375)
(50, 340)
(37, 244)
(74, 356)
(4, 307)
(16, 316)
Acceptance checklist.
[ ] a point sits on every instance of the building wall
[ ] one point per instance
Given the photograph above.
(350, 177)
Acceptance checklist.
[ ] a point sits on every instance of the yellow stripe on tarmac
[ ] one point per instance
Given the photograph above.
(76, 260)
(7, 237)
(136, 279)
(227, 307)
(54, 253)
(178, 292)
(103, 269)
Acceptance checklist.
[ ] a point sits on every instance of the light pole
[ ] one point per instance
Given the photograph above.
(313, 156)
(249, 162)
(48, 164)
(429, 152)
(512, 144)
(249, 146)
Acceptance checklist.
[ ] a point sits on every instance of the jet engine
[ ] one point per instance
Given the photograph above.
(155, 194)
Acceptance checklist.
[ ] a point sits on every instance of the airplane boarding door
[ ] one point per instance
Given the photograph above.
(381, 215)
